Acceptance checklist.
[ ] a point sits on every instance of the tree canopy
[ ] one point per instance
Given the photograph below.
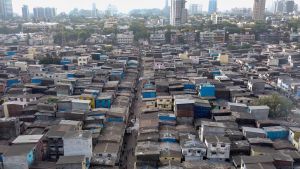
(279, 105)
(139, 30)
(50, 60)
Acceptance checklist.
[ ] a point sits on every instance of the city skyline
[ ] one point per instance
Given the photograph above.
(65, 6)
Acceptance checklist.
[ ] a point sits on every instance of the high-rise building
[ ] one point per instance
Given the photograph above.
(279, 7)
(50, 12)
(44, 13)
(195, 9)
(178, 13)
(94, 10)
(111, 10)
(212, 6)
(6, 10)
(289, 6)
(39, 13)
(259, 10)
(241, 11)
(167, 9)
(25, 11)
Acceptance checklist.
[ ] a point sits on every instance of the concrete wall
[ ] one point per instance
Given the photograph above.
(78, 146)
(15, 162)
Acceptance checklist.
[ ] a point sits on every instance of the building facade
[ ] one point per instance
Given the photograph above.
(178, 13)
(6, 9)
(25, 12)
(259, 10)
(212, 6)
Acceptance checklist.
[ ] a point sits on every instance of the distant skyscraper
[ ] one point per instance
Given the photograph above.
(111, 10)
(94, 10)
(167, 9)
(6, 10)
(195, 9)
(212, 6)
(39, 13)
(44, 13)
(178, 13)
(259, 10)
(50, 12)
(279, 7)
(289, 6)
(25, 11)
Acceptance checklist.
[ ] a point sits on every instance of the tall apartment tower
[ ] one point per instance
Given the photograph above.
(178, 12)
(259, 10)
(25, 12)
(94, 10)
(212, 6)
(6, 9)
(166, 10)
(289, 6)
(279, 7)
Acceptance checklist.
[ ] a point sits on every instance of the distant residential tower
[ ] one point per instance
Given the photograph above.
(6, 10)
(178, 13)
(195, 9)
(25, 12)
(259, 10)
(212, 6)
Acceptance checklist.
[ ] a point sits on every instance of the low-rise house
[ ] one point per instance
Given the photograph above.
(259, 112)
(240, 38)
(106, 154)
(54, 140)
(84, 105)
(207, 90)
(257, 86)
(32, 139)
(276, 132)
(20, 156)
(78, 143)
(251, 132)
(147, 151)
(294, 135)
(125, 38)
(9, 128)
(257, 162)
(192, 149)
(211, 129)
(157, 38)
(218, 147)
(104, 100)
(164, 102)
(169, 152)
(71, 162)
(83, 60)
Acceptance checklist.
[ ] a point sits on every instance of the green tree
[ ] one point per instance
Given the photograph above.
(139, 30)
(50, 60)
(279, 105)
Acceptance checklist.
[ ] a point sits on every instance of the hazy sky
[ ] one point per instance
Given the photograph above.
(123, 5)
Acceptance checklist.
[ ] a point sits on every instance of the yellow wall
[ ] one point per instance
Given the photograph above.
(224, 58)
(167, 159)
(89, 98)
(164, 103)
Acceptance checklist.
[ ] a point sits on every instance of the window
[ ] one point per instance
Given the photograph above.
(222, 145)
(198, 151)
(214, 144)
(213, 153)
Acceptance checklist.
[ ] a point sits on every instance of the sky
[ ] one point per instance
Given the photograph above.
(123, 5)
